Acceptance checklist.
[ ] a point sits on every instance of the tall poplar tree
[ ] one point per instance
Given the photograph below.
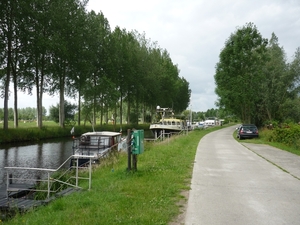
(277, 86)
(239, 72)
(8, 11)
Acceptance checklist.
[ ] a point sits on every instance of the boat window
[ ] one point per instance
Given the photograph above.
(173, 123)
(104, 141)
(93, 140)
(115, 140)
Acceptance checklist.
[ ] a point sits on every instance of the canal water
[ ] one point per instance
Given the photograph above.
(48, 155)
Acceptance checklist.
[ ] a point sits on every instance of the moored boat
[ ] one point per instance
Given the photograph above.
(98, 144)
(168, 124)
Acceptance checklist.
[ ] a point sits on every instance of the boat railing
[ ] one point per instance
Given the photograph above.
(183, 132)
(18, 184)
(101, 149)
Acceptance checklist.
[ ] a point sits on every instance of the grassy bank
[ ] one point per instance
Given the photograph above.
(264, 138)
(29, 132)
(148, 196)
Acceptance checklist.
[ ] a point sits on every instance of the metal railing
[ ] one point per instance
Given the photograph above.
(163, 136)
(49, 180)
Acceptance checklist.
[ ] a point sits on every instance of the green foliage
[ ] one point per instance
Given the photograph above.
(28, 131)
(282, 138)
(239, 72)
(69, 110)
(288, 134)
(254, 81)
(59, 47)
(29, 113)
(278, 85)
(55, 186)
(32, 134)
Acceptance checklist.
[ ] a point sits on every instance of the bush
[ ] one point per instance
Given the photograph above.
(289, 135)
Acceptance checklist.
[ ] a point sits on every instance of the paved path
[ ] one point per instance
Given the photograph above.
(241, 183)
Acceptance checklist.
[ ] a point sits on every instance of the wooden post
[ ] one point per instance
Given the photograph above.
(129, 149)
(90, 174)
(134, 162)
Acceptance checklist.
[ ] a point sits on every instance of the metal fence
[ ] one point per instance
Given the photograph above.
(17, 184)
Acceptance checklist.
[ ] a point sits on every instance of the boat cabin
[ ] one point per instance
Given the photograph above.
(104, 139)
(93, 143)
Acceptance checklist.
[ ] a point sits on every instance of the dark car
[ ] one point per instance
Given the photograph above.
(247, 131)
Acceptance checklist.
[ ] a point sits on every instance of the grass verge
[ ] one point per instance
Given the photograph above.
(263, 139)
(146, 196)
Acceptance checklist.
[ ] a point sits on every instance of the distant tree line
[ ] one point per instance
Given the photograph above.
(24, 114)
(57, 47)
(254, 80)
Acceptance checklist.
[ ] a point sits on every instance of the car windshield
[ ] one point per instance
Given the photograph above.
(249, 128)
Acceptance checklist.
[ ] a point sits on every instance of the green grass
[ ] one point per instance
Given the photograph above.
(149, 195)
(29, 124)
(29, 131)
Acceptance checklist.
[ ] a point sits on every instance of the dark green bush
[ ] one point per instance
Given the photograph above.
(288, 134)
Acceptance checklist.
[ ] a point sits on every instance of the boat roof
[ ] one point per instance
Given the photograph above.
(103, 133)
(171, 119)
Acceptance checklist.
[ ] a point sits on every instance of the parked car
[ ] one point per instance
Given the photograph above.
(247, 131)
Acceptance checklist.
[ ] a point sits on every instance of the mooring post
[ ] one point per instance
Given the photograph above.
(134, 162)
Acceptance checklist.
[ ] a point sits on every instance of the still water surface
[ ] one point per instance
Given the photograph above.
(49, 155)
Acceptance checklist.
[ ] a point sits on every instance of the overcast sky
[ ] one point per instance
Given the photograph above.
(195, 31)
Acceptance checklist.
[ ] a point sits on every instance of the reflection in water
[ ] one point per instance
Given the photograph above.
(42, 155)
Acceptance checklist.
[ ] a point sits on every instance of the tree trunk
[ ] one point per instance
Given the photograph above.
(5, 122)
(106, 115)
(121, 109)
(62, 101)
(39, 82)
(101, 113)
(38, 96)
(14, 75)
(128, 111)
(40, 107)
(8, 67)
(16, 119)
(94, 112)
(115, 117)
(79, 108)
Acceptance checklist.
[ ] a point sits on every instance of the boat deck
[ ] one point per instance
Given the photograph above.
(19, 203)
(23, 204)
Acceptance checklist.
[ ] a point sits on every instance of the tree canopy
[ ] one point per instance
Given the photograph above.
(253, 79)
(58, 47)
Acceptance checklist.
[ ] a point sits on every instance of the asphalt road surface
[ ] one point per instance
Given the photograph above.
(242, 183)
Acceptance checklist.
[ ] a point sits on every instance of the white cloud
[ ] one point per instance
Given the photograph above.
(195, 31)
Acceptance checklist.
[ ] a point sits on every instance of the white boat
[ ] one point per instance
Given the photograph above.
(210, 122)
(98, 144)
(167, 124)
